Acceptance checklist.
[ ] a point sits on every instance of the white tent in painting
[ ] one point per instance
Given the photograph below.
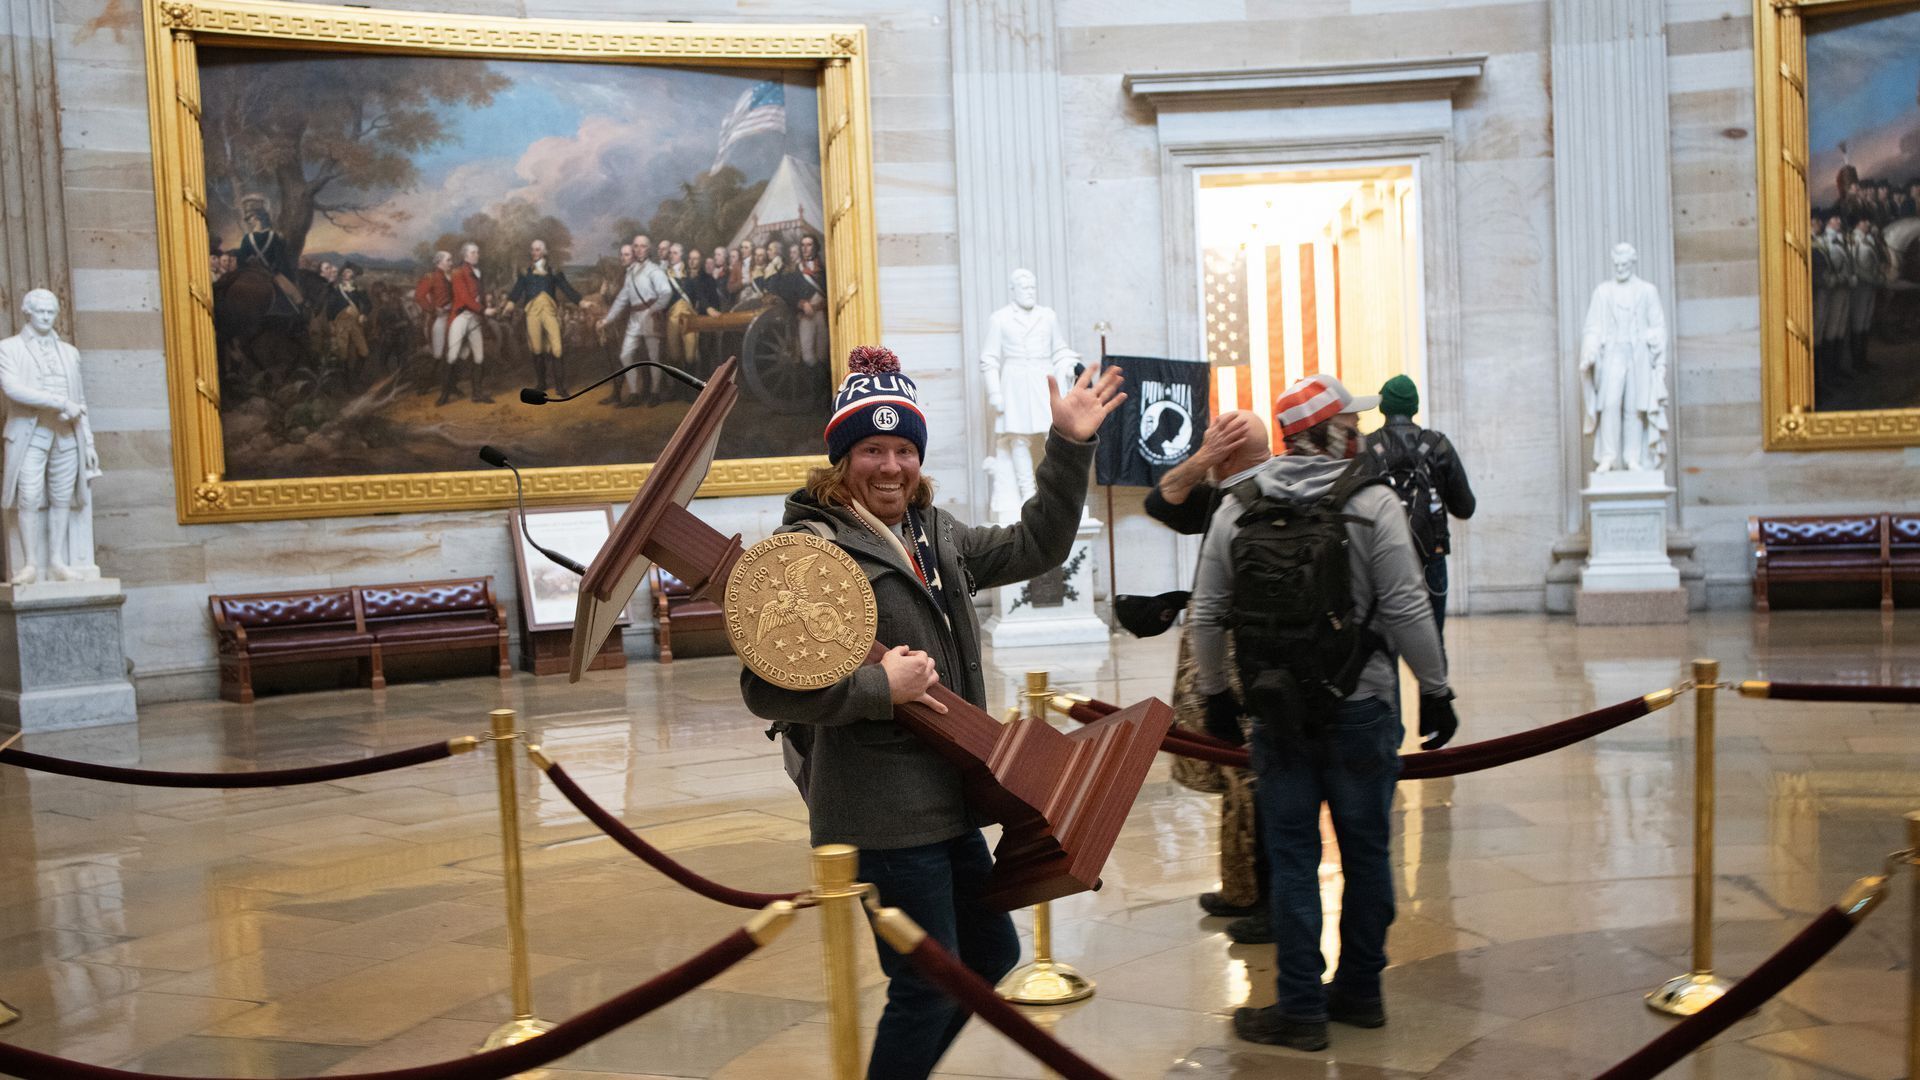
(791, 202)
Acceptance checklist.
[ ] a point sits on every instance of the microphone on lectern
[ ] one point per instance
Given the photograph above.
(499, 461)
(533, 396)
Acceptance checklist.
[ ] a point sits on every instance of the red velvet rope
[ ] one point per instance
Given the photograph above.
(975, 996)
(312, 774)
(653, 856)
(1427, 764)
(491, 1065)
(1893, 695)
(1473, 757)
(1771, 977)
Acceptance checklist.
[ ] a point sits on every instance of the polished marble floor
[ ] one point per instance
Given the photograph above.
(359, 925)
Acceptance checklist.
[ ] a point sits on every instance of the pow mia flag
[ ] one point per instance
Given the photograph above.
(1163, 420)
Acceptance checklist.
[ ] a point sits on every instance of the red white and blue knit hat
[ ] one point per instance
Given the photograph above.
(1314, 400)
(875, 399)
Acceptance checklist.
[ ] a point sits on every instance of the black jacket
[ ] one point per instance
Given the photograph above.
(1398, 437)
(1187, 518)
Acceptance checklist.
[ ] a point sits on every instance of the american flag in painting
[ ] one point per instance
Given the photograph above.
(763, 107)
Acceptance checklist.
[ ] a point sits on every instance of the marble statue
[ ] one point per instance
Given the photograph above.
(1623, 371)
(50, 461)
(1024, 345)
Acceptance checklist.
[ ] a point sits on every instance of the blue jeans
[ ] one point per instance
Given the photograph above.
(1354, 775)
(939, 886)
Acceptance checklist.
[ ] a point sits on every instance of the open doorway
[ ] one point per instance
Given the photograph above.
(1308, 269)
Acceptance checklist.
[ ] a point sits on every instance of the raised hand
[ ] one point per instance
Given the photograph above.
(1223, 439)
(1077, 414)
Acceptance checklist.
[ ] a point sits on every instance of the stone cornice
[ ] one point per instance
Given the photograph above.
(1424, 77)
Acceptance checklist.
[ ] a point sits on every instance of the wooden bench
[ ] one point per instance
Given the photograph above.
(696, 627)
(365, 623)
(1903, 557)
(1836, 549)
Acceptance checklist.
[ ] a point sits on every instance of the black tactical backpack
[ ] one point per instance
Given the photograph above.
(1298, 644)
(1410, 474)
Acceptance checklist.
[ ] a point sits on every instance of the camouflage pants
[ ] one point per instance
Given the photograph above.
(1238, 883)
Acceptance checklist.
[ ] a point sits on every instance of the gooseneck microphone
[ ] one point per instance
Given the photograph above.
(532, 396)
(499, 461)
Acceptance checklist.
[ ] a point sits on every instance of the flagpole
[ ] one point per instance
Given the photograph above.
(1113, 561)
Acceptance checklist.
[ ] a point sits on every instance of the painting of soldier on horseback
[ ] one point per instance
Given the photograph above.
(398, 244)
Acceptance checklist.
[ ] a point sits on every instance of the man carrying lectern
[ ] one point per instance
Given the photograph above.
(867, 780)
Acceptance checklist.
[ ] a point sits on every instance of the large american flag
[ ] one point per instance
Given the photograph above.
(763, 107)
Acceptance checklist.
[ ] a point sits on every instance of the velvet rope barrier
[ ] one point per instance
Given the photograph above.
(1771, 977)
(646, 852)
(312, 774)
(1427, 764)
(973, 994)
(1472, 757)
(491, 1065)
(1787, 691)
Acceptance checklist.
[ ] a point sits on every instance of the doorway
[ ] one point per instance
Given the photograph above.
(1307, 269)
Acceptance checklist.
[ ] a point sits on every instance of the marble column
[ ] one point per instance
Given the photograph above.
(33, 216)
(1010, 183)
(1611, 180)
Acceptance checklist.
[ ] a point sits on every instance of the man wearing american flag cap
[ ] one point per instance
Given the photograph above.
(1326, 727)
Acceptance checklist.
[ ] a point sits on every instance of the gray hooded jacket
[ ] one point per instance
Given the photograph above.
(1387, 580)
(867, 780)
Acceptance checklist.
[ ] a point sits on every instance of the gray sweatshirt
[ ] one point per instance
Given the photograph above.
(1387, 580)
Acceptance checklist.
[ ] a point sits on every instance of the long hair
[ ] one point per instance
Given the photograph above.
(829, 487)
(1325, 439)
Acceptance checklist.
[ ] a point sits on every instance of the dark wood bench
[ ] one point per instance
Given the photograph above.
(438, 616)
(1903, 557)
(366, 623)
(1834, 549)
(691, 626)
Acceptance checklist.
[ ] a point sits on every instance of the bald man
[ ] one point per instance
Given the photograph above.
(1184, 500)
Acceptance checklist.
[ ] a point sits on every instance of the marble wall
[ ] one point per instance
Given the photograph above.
(170, 569)
(1510, 377)
(1724, 476)
(1502, 168)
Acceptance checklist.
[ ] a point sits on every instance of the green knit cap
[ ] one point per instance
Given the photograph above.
(1399, 397)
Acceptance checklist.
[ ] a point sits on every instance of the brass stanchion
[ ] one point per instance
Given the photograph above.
(1684, 995)
(1913, 947)
(523, 1026)
(835, 867)
(1046, 981)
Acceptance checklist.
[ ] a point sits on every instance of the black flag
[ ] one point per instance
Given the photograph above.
(1163, 420)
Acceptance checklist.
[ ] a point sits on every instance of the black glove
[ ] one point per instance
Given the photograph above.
(1223, 718)
(1437, 722)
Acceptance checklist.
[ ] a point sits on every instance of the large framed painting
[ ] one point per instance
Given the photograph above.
(1839, 169)
(377, 227)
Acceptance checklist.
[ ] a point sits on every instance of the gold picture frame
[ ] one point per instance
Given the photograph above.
(1791, 420)
(175, 29)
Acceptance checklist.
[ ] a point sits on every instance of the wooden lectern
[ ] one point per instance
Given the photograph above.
(1060, 797)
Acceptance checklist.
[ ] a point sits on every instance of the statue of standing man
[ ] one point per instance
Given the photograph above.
(50, 458)
(1023, 346)
(1623, 371)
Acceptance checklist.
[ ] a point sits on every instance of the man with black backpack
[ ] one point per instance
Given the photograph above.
(1419, 464)
(1311, 565)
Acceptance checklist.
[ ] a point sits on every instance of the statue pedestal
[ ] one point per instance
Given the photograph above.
(62, 662)
(1055, 608)
(1628, 578)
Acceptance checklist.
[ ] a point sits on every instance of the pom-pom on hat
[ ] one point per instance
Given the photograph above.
(876, 398)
